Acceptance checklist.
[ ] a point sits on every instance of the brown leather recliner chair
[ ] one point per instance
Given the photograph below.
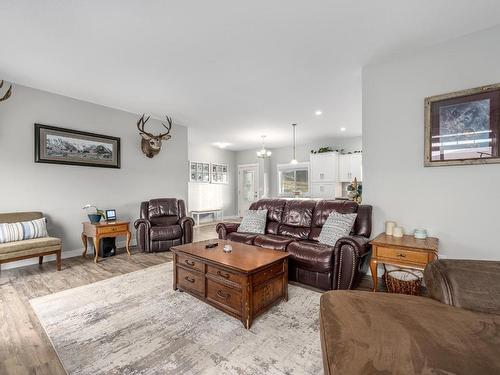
(294, 226)
(163, 224)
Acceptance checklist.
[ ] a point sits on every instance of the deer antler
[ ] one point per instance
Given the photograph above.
(7, 94)
(140, 126)
(169, 120)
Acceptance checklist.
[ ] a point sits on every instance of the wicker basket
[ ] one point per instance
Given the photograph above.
(403, 281)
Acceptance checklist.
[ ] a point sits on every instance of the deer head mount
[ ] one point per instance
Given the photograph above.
(7, 94)
(151, 144)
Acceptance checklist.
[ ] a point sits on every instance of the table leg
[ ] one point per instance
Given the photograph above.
(85, 241)
(285, 280)
(127, 246)
(174, 261)
(373, 269)
(97, 245)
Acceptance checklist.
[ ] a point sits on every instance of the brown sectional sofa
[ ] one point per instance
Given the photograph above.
(294, 226)
(454, 332)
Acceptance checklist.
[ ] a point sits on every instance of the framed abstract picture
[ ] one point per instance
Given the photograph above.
(463, 127)
(66, 146)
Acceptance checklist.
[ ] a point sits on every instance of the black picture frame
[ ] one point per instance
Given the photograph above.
(463, 127)
(63, 156)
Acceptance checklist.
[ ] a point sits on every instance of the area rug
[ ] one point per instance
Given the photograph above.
(136, 324)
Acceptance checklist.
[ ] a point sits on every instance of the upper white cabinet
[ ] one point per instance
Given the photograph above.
(350, 167)
(324, 167)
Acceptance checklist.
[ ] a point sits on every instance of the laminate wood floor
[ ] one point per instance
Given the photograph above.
(24, 346)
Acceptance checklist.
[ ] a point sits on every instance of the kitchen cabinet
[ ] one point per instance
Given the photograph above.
(350, 167)
(324, 167)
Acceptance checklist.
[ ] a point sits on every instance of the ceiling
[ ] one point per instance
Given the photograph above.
(229, 70)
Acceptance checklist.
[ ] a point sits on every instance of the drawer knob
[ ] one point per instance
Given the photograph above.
(190, 279)
(401, 255)
(224, 275)
(222, 295)
(189, 262)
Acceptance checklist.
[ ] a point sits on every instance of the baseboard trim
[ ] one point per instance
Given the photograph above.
(49, 258)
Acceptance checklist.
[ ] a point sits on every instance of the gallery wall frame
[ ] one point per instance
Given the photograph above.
(56, 145)
(463, 127)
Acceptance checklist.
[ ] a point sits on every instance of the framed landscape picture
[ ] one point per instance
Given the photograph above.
(463, 127)
(66, 146)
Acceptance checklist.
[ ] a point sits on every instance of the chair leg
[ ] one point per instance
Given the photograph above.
(58, 260)
(40, 260)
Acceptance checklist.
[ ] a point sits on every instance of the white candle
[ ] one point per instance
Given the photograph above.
(398, 232)
(389, 227)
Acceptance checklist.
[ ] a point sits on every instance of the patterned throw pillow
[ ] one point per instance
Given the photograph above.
(254, 221)
(337, 225)
(25, 230)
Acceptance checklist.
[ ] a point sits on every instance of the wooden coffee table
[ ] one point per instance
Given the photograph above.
(243, 283)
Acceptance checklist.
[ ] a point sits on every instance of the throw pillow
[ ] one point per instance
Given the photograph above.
(25, 230)
(254, 221)
(337, 225)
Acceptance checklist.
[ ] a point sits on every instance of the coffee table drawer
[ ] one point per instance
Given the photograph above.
(406, 255)
(224, 295)
(191, 263)
(225, 275)
(192, 281)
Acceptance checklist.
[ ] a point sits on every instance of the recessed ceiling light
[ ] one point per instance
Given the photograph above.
(318, 112)
(342, 129)
(221, 144)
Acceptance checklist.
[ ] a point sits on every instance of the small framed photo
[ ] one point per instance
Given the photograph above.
(110, 215)
(463, 127)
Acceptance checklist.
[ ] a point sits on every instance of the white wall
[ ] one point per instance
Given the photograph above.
(458, 204)
(283, 155)
(60, 191)
(206, 196)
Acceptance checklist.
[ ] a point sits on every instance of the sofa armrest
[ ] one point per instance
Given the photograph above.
(468, 284)
(351, 255)
(223, 229)
(187, 224)
(142, 226)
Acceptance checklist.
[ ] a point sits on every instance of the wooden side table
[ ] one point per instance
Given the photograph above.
(406, 251)
(104, 229)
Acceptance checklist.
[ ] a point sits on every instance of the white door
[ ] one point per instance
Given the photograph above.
(248, 186)
(356, 167)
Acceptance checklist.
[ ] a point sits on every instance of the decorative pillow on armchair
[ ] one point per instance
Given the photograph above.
(25, 230)
(254, 221)
(336, 226)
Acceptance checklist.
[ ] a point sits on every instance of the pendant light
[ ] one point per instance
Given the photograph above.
(263, 153)
(294, 159)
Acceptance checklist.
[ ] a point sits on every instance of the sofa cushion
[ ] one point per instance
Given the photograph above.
(37, 243)
(336, 226)
(324, 208)
(272, 241)
(366, 332)
(311, 255)
(160, 233)
(297, 218)
(254, 221)
(23, 230)
(242, 237)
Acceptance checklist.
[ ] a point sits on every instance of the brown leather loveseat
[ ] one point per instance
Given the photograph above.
(294, 226)
(163, 224)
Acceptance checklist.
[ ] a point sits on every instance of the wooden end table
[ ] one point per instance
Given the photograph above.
(406, 251)
(102, 230)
